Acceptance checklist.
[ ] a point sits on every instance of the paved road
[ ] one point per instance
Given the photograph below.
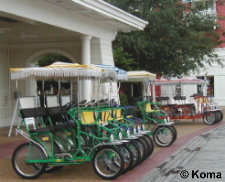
(201, 159)
(84, 173)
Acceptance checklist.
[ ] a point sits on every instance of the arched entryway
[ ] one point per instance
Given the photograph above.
(31, 85)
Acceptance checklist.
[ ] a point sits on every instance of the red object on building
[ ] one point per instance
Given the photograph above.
(220, 9)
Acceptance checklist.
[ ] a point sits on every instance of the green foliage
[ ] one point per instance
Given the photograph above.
(174, 42)
(47, 60)
(51, 58)
(123, 100)
(122, 59)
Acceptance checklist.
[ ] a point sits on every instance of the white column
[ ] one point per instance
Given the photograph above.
(205, 86)
(31, 85)
(86, 59)
(153, 93)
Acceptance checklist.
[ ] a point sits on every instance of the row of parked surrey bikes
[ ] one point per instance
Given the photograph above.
(112, 137)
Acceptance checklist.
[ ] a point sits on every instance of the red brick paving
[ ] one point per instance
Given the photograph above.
(137, 173)
(7, 149)
(159, 156)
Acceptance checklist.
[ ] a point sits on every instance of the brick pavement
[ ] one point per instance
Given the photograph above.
(202, 158)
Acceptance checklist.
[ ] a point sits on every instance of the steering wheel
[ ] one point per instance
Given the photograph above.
(68, 106)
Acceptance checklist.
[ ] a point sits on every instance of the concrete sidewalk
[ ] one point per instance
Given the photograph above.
(161, 166)
(201, 159)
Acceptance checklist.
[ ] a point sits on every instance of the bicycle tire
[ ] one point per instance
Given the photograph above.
(24, 169)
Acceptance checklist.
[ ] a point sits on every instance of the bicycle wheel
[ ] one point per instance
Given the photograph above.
(219, 116)
(108, 163)
(163, 136)
(136, 154)
(209, 118)
(24, 152)
(141, 148)
(52, 168)
(150, 143)
(146, 147)
(175, 132)
(127, 156)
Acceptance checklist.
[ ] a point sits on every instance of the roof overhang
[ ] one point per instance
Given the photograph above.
(38, 21)
(102, 12)
(112, 12)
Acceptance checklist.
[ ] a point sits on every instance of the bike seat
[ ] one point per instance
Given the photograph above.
(42, 130)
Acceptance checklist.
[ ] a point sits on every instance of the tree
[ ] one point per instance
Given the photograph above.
(123, 59)
(46, 60)
(177, 39)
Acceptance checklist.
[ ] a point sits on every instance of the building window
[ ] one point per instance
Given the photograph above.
(209, 84)
(203, 5)
(178, 90)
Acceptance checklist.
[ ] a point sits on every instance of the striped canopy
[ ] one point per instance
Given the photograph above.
(57, 70)
(140, 76)
(108, 71)
(182, 81)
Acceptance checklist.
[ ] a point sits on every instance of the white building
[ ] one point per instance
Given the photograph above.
(81, 30)
(214, 74)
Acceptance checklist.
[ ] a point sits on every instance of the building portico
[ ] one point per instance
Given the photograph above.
(80, 30)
